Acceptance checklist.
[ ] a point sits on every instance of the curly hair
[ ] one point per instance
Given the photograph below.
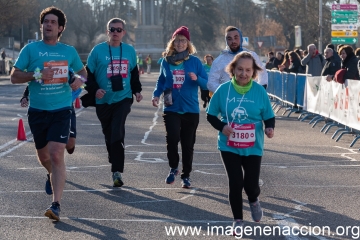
(57, 12)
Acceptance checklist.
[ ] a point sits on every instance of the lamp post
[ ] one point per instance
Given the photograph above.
(320, 25)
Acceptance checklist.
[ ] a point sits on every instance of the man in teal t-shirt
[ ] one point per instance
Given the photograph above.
(114, 79)
(47, 63)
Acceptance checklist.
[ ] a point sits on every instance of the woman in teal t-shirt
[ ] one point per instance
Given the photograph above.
(243, 106)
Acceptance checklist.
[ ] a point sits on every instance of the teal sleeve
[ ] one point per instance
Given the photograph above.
(22, 61)
(77, 64)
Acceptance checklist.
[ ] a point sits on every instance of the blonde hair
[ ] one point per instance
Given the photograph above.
(230, 68)
(169, 50)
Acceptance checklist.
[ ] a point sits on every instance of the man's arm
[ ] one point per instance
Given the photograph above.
(17, 76)
(215, 75)
(83, 72)
(305, 60)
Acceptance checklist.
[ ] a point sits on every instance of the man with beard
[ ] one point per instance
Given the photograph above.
(218, 75)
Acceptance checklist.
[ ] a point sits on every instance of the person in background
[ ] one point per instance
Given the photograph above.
(3, 55)
(114, 80)
(349, 62)
(278, 60)
(244, 107)
(140, 63)
(295, 63)
(11, 65)
(331, 65)
(286, 61)
(335, 54)
(270, 63)
(357, 53)
(205, 95)
(313, 61)
(180, 76)
(148, 64)
(218, 75)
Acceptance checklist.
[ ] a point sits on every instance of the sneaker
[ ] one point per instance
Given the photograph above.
(186, 183)
(53, 211)
(48, 188)
(204, 105)
(117, 179)
(171, 177)
(237, 227)
(256, 211)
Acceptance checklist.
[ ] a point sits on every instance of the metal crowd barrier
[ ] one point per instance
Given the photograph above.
(286, 90)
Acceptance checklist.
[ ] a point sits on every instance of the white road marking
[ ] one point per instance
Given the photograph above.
(203, 172)
(12, 149)
(154, 122)
(284, 220)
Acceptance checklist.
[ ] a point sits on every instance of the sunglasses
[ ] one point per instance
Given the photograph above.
(119, 30)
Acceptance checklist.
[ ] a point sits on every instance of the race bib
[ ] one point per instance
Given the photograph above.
(116, 68)
(243, 135)
(178, 78)
(61, 72)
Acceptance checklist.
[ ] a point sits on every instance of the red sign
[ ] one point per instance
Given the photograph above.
(344, 7)
(260, 44)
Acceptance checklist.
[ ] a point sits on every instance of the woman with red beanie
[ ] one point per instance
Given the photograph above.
(180, 76)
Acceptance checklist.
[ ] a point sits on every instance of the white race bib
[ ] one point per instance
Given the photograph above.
(116, 68)
(243, 135)
(61, 73)
(178, 78)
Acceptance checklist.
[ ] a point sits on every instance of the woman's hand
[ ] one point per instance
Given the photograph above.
(155, 101)
(227, 130)
(192, 76)
(269, 132)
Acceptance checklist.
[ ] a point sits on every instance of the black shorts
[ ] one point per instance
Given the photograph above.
(49, 126)
(73, 124)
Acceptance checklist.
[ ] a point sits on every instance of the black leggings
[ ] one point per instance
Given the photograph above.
(242, 172)
(181, 128)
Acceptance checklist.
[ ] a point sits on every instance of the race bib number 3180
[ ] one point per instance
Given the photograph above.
(243, 135)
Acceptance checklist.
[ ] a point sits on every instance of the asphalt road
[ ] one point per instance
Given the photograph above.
(310, 182)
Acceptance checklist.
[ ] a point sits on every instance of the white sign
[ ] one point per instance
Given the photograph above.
(340, 102)
(245, 41)
(297, 36)
(260, 44)
(344, 27)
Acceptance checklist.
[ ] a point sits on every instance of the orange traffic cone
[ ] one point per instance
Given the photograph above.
(21, 136)
(77, 103)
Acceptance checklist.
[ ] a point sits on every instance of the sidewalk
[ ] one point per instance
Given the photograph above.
(4, 77)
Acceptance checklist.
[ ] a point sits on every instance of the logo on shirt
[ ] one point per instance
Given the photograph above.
(239, 113)
(51, 54)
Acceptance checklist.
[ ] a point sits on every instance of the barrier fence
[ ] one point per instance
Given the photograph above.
(337, 105)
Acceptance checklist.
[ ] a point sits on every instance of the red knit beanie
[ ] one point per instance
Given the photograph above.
(182, 31)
